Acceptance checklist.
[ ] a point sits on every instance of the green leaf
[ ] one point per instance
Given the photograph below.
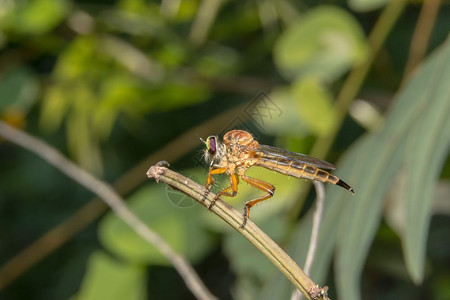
(173, 95)
(366, 5)
(81, 59)
(18, 89)
(314, 100)
(187, 10)
(90, 90)
(299, 106)
(288, 121)
(386, 153)
(427, 146)
(172, 55)
(54, 107)
(326, 42)
(167, 213)
(418, 119)
(35, 17)
(107, 278)
(218, 61)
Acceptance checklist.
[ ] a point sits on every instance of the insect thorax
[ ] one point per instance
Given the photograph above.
(238, 137)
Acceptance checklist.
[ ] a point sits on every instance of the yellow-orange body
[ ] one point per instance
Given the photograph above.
(240, 151)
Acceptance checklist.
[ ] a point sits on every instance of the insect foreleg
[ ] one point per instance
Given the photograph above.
(234, 181)
(210, 180)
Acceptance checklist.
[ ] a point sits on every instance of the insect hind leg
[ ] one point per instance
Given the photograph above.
(259, 184)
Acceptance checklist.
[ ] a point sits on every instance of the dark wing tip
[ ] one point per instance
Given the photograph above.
(345, 186)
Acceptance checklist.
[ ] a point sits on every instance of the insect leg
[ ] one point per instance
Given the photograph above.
(259, 184)
(234, 181)
(210, 180)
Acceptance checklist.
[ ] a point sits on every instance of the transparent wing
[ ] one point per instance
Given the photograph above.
(276, 154)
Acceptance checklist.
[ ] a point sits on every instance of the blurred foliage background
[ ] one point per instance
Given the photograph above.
(119, 85)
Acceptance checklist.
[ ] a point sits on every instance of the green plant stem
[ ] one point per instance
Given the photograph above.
(251, 232)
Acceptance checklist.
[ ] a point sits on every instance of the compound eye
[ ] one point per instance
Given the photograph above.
(211, 145)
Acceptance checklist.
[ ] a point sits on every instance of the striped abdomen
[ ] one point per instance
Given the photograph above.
(300, 170)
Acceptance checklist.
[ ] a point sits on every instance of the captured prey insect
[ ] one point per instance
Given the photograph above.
(239, 151)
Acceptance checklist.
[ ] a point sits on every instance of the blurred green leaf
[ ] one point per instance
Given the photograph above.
(33, 17)
(289, 123)
(370, 166)
(172, 55)
(326, 42)
(54, 107)
(427, 146)
(76, 66)
(90, 89)
(139, 22)
(238, 23)
(418, 117)
(366, 5)
(300, 105)
(107, 278)
(187, 10)
(160, 209)
(18, 89)
(314, 105)
(82, 59)
(171, 95)
(441, 286)
(218, 61)
(82, 139)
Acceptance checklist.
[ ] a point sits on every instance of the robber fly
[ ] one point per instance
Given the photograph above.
(239, 151)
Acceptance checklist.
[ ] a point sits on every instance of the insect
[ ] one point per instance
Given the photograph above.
(239, 151)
